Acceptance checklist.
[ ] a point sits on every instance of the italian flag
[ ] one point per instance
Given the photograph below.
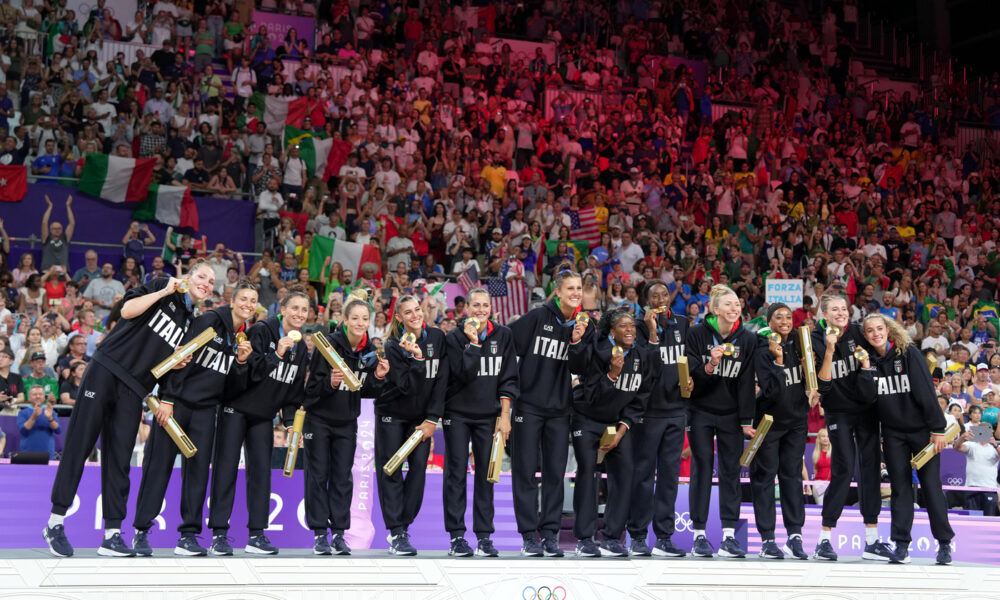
(313, 149)
(116, 179)
(278, 112)
(351, 255)
(169, 204)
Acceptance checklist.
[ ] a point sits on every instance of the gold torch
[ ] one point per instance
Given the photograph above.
(755, 442)
(174, 430)
(293, 442)
(496, 456)
(183, 352)
(924, 456)
(323, 345)
(808, 359)
(404, 451)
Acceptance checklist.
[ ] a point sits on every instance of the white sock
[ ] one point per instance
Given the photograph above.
(795, 535)
(871, 535)
(824, 534)
(699, 532)
(55, 519)
(728, 532)
(108, 533)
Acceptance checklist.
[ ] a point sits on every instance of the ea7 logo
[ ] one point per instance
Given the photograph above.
(307, 436)
(519, 419)
(578, 433)
(271, 346)
(217, 340)
(387, 419)
(547, 328)
(89, 394)
(173, 308)
(228, 410)
(445, 422)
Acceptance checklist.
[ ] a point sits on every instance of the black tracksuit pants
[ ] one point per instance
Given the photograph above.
(855, 438)
(400, 498)
(899, 447)
(236, 431)
(108, 408)
(780, 454)
(619, 465)
(534, 435)
(458, 433)
(158, 464)
(329, 483)
(657, 442)
(706, 431)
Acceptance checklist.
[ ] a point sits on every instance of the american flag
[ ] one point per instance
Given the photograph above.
(584, 225)
(508, 298)
(470, 278)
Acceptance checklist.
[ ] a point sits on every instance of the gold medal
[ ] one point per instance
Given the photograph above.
(183, 286)
(380, 353)
(861, 354)
(728, 349)
(295, 336)
(775, 338)
(409, 337)
(833, 330)
(583, 318)
(473, 322)
(240, 338)
(617, 351)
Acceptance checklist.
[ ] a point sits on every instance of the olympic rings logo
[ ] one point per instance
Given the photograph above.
(543, 592)
(682, 522)
(956, 481)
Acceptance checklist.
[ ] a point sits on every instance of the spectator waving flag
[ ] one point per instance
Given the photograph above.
(169, 204)
(508, 298)
(470, 278)
(584, 225)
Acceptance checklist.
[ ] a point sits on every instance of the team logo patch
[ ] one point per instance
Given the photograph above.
(736, 351)
(172, 307)
(493, 346)
(898, 365)
(430, 351)
(677, 336)
(851, 345)
(578, 433)
(635, 365)
(547, 327)
(387, 419)
(445, 422)
(217, 340)
(307, 436)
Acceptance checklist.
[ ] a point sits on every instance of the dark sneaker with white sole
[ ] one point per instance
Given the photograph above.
(220, 546)
(485, 548)
(587, 549)
(793, 548)
(59, 545)
(769, 549)
(702, 548)
(115, 547)
(825, 551)
(320, 546)
(460, 547)
(944, 554)
(665, 547)
(259, 544)
(900, 556)
(639, 547)
(551, 546)
(613, 548)
(140, 544)
(188, 546)
(730, 548)
(532, 547)
(339, 545)
(400, 545)
(877, 551)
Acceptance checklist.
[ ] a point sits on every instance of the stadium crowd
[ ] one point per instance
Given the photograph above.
(464, 151)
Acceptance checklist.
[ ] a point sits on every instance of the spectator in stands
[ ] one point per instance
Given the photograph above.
(980, 470)
(135, 241)
(71, 384)
(104, 292)
(11, 385)
(39, 377)
(55, 241)
(76, 351)
(37, 423)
